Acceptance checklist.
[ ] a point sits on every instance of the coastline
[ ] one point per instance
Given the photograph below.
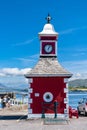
(78, 89)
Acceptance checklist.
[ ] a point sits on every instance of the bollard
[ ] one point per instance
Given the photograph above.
(55, 108)
(43, 111)
(43, 115)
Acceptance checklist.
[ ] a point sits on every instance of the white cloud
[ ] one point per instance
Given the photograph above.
(72, 30)
(17, 81)
(2, 75)
(26, 60)
(31, 60)
(79, 76)
(25, 42)
(24, 71)
(14, 77)
(13, 71)
(36, 56)
(77, 68)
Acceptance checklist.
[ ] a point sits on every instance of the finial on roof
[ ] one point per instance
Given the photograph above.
(48, 18)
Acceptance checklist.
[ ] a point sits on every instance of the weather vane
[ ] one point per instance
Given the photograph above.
(48, 18)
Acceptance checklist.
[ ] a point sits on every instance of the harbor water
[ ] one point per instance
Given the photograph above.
(74, 98)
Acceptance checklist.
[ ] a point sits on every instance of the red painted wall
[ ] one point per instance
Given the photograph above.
(55, 85)
(48, 37)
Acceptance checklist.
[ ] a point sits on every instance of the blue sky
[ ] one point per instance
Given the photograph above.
(22, 20)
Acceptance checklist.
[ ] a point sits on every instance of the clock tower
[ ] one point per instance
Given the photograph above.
(48, 80)
(48, 40)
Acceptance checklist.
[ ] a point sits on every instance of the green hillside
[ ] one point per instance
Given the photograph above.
(78, 85)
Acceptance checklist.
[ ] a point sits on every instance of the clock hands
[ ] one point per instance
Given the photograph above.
(48, 48)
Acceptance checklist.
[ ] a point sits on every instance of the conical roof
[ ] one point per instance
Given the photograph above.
(48, 67)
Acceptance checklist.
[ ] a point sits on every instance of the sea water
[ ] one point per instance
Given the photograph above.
(0, 105)
(74, 98)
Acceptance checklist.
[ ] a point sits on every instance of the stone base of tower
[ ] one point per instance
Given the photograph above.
(35, 116)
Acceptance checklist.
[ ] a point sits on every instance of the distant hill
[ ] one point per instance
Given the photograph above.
(24, 88)
(78, 83)
(4, 88)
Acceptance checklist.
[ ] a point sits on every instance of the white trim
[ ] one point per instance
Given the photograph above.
(29, 85)
(48, 41)
(65, 80)
(66, 85)
(46, 115)
(65, 90)
(65, 100)
(49, 75)
(29, 95)
(52, 115)
(30, 80)
(29, 105)
(34, 116)
(67, 106)
(29, 111)
(48, 34)
(56, 48)
(30, 100)
(40, 47)
(65, 111)
(37, 94)
(30, 90)
(48, 55)
(67, 95)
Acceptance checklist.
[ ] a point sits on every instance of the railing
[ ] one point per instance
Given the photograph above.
(53, 107)
(15, 102)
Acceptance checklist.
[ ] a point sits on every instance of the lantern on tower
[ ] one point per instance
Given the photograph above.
(48, 80)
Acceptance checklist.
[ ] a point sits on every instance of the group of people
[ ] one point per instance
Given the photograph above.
(5, 101)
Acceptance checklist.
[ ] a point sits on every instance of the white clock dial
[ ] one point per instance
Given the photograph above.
(48, 97)
(48, 48)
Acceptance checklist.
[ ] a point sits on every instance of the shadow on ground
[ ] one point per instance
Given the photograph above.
(13, 117)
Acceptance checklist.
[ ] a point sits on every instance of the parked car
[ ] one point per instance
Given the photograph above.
(82, 106)
(73, 112)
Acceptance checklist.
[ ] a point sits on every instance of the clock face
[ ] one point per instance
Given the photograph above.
(48, 48)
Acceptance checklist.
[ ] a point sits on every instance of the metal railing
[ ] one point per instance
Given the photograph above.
(49, 106)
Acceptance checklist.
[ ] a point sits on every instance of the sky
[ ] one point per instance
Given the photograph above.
(22, 20)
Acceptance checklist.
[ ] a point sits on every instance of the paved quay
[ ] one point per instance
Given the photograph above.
(38, 124)
(16, 119)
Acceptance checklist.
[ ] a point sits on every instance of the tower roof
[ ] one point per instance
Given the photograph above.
(48, 28)
(48, 67)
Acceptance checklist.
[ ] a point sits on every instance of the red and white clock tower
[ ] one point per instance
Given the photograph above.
(48, 79)
(48, 40)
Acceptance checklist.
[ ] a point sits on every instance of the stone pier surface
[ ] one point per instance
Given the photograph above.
(38, 124)
(16, 119)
